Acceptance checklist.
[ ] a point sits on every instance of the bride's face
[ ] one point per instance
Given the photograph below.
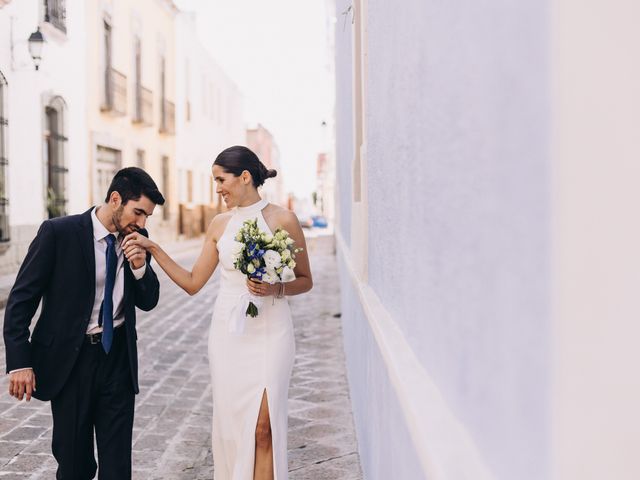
(231, 188)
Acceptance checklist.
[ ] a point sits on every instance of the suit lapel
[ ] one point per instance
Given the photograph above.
(128, 274)
(85, 231)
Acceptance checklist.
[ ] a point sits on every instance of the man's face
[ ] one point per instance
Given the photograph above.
(132, 216)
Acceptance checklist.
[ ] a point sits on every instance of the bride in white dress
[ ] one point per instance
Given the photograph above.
(251, 365)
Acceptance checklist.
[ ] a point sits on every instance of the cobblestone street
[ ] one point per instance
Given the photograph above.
(173, 411)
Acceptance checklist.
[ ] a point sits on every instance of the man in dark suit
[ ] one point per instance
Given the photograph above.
(82, 352)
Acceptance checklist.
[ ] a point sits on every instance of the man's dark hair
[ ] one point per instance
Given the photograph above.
(131, 183)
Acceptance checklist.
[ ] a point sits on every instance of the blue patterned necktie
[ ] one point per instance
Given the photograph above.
(107, 303)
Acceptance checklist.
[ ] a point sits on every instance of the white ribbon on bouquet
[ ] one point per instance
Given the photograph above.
(238, 314)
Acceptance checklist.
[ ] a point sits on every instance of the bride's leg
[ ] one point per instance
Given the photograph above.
(263, 468)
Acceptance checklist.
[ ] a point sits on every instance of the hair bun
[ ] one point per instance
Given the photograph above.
(271, 173)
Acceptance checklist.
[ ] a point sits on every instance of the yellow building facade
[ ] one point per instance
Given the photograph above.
(131, 98)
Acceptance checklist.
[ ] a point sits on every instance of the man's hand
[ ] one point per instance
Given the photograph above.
(137, 258)
(135, 247)
(22, 382)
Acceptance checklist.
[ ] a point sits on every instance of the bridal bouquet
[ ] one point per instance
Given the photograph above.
(260, 255)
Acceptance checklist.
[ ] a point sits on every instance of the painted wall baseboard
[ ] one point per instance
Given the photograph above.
(445, 449)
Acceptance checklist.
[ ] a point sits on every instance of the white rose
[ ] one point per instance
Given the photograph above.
(271, 259)
(286, 254)
(251, 268)
(290, 241)
(270, 277)
(287, 275)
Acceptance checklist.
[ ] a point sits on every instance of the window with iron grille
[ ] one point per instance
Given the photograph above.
(4, 162)
(140, 159)
(143, 97)
(55, 14)
(108, 162)
(56, 163)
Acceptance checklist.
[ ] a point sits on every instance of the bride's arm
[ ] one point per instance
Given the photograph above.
(190, 281)
(303, 282)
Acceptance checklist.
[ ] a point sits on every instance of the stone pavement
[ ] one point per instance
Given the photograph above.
(173, 411)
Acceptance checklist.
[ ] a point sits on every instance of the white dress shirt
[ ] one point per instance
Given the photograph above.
(100, 248)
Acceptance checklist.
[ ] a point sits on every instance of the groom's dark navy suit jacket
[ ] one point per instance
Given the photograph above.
(60, 269)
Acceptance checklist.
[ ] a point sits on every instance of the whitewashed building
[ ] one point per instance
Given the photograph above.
(487, 157)
(131, 81)
(209, 118)
(44, 166)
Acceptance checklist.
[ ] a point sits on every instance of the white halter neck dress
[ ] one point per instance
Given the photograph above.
(244, 364)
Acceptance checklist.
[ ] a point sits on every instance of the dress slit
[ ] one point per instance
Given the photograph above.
(265, 395)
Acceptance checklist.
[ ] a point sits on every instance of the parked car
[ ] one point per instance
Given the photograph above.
(305, 222)
(319, 221)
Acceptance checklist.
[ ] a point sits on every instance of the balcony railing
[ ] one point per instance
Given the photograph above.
(115, 92)
(144, 106)
(167, 117)
(54, 13)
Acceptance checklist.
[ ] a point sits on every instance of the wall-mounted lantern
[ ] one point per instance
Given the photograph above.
(36, 42)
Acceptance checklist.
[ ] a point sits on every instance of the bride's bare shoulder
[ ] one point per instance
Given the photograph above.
(218, 224)
(281, 217)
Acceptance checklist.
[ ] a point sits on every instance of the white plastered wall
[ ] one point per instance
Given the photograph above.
(596, 264)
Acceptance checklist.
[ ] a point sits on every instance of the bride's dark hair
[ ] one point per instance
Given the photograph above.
(237, 159)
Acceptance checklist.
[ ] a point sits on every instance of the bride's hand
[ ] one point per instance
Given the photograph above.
(260, 289)
(135, 244)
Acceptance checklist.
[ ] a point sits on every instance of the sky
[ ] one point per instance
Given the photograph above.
(276, 52)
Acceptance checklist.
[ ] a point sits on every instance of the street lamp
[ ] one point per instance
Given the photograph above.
(36, 42)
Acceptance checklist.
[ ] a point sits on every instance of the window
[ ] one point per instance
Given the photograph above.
(165, 187)
(189, 186)
(138, 77)
(143, 97)
(108, 88)
(108, 161)
(55, 14)
(167, 108)
(56, 165)
(4, 162)
(114, 88)
(140, 159)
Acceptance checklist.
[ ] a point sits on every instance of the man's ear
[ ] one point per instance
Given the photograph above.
(115, 199)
